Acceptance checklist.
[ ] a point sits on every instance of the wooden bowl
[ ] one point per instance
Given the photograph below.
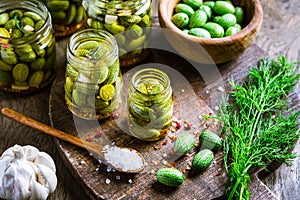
(212, 50)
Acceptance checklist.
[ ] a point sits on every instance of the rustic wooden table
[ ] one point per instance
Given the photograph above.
(278, 35)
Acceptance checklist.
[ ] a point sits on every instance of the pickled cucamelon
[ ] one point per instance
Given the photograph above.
(93, 78)
(67, 16)
(25, 37)
(129, 28)
(150, 105)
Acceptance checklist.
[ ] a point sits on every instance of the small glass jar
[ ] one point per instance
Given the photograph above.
(150, 104)
(27, 46)
(68, 16)
(93, 77)
(128, 20)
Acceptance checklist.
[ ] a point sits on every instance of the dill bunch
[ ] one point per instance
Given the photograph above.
(257, 126)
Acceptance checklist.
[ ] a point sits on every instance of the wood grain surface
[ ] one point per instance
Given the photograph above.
(279, 34)
(209, 184)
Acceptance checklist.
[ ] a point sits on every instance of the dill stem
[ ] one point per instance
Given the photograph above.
(232, 192)
(241, 192)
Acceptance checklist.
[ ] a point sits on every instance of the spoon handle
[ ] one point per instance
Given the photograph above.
(18, 117)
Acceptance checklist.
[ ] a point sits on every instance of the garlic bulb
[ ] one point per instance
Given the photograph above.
(26, 173)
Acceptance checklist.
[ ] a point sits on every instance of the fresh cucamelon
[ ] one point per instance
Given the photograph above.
(170, 177)
(202, 159)
(216, 17)
(184, 143)
(210, 140)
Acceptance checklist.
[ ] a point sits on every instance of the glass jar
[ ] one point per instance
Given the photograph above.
(93, 77)
(128, 20)
(68, 16)
(150, 104)
(27, 46)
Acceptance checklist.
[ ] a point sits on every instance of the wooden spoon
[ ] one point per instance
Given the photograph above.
(101, 151)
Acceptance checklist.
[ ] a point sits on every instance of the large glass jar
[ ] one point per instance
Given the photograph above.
(128, 20)
(27, 46)
(150, 104)
(93, 76)
(68, 16)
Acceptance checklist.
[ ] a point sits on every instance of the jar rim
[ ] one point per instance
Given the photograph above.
(152, 71)
(35, 6)
(119, 7)
(80, 35)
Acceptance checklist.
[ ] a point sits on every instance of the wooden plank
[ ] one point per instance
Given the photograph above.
(207, 185)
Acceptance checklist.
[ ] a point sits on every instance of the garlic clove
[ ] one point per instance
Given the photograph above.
(45, 159)
(46, 177)
(10, 151)
(38, 191)
(15, 178)
(30, 152)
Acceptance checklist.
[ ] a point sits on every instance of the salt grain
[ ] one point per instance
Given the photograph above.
(123, 158)
(118, 177)
(107, 181)
(221, 89)
(164, 162)
(130, 181)
(82, 162)
(108, 169)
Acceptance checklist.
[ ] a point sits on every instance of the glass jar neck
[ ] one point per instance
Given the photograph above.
(107, 40)
(115, 7)
(152, 76)
(35, 6)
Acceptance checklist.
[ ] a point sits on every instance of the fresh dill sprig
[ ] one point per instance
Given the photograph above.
(256, 127)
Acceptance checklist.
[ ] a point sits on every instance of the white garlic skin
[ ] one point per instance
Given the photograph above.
(26, 173)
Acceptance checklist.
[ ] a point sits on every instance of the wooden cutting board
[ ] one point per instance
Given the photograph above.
(201, 96)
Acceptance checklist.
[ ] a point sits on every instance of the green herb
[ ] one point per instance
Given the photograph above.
(258, 126)
(19, 25)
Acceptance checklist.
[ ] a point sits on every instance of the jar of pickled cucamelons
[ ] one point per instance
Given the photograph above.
(68, 16)
(128, 20)
(93, 81)
(27, 46)
(150, 104)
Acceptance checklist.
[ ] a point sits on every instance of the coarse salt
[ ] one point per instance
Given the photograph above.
(123, 158)
(221, 89)
(164, 162)
(108, 169)
(82, 162)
